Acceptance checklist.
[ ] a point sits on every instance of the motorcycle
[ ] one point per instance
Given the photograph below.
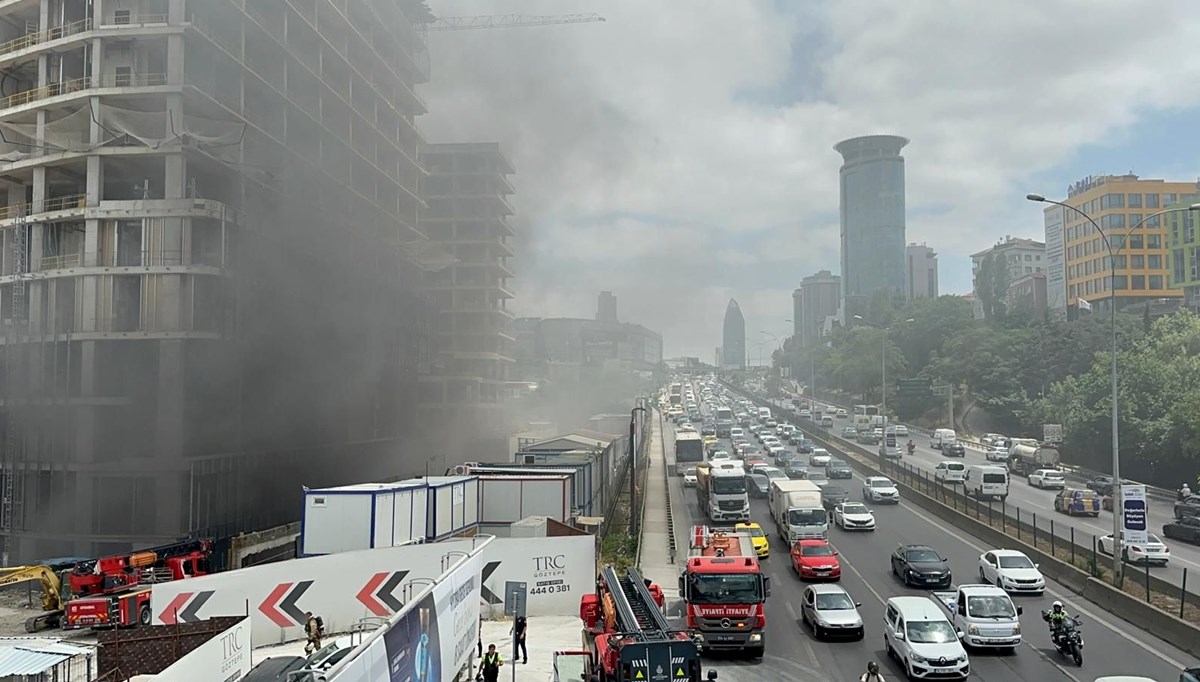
(911, 448)
(1069, 639)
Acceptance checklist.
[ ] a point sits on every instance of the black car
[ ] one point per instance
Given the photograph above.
(832, 496)
(758, 485)
(838, 468)
(795, 437)
(1185, 508)
(921, 566)
(805, 446)
(796, 470)
(868, 438)
(954, 449)
(1186, 529)
(782, 458)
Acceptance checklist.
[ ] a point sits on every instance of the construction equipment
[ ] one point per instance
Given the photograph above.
(725, 591)
(113, 591)
(506, 21)
(51, 593)
(628, 636)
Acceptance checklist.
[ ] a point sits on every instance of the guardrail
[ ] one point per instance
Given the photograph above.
(644, 433)
(672, 543)
(1077, 567)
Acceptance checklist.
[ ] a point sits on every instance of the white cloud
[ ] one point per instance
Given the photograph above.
(643, 167)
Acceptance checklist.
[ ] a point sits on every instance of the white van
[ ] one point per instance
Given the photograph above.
(941, 436)
(986, 481)
(826, 421)
(950, 472)
(736, 432)
(764, 413)
(917, 633)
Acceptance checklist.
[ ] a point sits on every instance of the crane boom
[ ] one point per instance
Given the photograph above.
(507, 21)
(636, 610)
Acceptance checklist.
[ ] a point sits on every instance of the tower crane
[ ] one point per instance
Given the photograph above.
(506, 21)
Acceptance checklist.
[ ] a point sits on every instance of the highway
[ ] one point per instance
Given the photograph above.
(793, 654)
(1041, 502)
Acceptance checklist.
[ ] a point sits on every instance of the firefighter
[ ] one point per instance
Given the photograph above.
(314, 629)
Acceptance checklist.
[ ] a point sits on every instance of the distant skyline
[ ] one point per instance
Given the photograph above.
(679, 184)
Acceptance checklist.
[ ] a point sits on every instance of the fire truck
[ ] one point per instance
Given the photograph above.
(628, 637)
(725, 592)
(114, 591)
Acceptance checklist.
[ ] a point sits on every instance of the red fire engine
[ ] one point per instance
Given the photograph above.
(114, 591)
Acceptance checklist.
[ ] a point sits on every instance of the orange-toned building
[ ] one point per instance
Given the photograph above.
(1117, 203)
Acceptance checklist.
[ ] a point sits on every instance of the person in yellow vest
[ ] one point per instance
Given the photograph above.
(489, 668)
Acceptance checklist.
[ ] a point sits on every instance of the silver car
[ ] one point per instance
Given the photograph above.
(830, 612)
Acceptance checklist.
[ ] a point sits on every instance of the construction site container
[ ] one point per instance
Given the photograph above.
(505, 499)
(362, 516)
(453, 506)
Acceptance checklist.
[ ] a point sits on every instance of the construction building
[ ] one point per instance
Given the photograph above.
(210, 287)
(468, 211)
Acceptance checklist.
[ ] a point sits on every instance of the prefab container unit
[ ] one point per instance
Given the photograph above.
(505, 499)
(586, 485)
(362, 516)
(453, 505)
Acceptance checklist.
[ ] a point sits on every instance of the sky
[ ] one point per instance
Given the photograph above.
(680, 153)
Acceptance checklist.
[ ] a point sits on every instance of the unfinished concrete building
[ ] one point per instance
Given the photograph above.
(468, 211)
(211, 262)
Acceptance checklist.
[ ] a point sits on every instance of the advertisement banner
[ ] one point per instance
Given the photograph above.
(558, 571)
(342, 588)
(435, 638)
(223, 658)
(1133, 515)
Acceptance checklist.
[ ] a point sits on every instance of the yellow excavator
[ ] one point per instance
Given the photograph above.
(52, 597)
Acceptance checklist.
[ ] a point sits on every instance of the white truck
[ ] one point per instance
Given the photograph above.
(797, 510)
(984, 616)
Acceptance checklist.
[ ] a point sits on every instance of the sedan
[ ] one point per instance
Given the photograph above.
(1011, 571)
(774, 473)
(689, 477)
(1186, 529)
(776, 450)
(1153, 552)
(796, 470)
(1048, 479)
(853, 516)
(838, 468)
(849, 432)
(819, 457)
(901, 431)
(817, 476)
(832, 496)
(830, 612)
(842, 414)
(996, 455)
(955, 449)
(868, 438)
(921, 566)
(880, 489)
(816, 559)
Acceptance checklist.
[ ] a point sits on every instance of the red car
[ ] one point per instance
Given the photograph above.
(816, 560)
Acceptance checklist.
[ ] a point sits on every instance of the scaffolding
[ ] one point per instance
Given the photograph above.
(16, 326)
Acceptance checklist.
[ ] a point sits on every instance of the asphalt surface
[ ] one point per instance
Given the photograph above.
(1033, 501)
(1111, 646)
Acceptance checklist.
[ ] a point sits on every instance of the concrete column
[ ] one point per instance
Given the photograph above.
(168, 429)
(85, 415)
(170, 507)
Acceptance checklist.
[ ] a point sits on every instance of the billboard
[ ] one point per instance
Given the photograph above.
(1056, 261)
(434, 639)
(1133, 515)
(558, 571)
(224, 657)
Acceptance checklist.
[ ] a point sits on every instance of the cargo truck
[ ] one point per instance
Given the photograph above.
(797, 510)
(984, 616)
(721, 493)
(1025, 458)
(725, 592)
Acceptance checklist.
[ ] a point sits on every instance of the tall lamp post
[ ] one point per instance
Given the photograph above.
(883, 360)
(633, 508)
(1112, 311)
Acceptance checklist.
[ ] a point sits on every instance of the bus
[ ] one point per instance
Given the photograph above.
(689, 447)
(724, 421)
(864, 417)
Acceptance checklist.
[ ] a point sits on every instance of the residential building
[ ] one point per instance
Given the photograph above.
(1020, 256)
(212, 263)
(606, 307)
(467, 194)
(872, 221)
(819, 298)
(1183, 250)
(922, 271)
(1119, 204)
(733, 338)
(1028, 292)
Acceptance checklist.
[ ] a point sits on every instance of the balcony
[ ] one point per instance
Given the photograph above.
(70, 260)
(75, 85)
(38, 37)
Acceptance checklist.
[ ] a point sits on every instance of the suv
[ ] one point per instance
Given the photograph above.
(917, 633)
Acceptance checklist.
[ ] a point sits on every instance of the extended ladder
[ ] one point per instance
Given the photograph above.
(636, 610)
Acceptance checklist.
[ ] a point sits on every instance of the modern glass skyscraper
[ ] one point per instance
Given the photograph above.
(872, 218)
(733, 335)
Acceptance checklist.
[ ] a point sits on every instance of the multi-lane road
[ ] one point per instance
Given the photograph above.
(1032, 501)
(1112, 646)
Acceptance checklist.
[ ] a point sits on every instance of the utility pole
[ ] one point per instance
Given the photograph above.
(633, 508)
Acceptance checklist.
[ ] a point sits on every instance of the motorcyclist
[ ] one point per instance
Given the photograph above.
(872, 674)
(1185, 492)
(1056, 618)
(911, 447)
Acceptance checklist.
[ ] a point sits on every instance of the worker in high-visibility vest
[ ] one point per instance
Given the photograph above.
(489, 668)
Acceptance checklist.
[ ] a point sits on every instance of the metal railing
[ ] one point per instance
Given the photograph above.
(111, 80)
(672, 541)
(38, 37)
(70, 260)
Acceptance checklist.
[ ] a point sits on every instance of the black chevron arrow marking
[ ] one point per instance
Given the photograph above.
(487, 594)
(288, 604)
(188, 614)
(386, 593)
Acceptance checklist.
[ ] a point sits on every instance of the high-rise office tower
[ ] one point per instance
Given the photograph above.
(606, 307)
(733, 336)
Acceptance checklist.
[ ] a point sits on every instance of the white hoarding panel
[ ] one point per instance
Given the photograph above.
(1133, 515)
(341, 588)
(557, 570)
(224, 657)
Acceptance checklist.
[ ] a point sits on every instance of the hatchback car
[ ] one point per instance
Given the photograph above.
(1048, 479)
(816, 559)
(1153, 552)
(830, 612)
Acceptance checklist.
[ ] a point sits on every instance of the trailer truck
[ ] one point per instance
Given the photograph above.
(1025, 458)
(725, 592)
(797, 510)
(721, 493)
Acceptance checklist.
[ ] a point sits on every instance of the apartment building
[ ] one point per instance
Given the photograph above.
(1121, 205)
(467, 194)
(1020, 256)
(817, 299)
(922, 265)
(1183, 249)
(210, 284)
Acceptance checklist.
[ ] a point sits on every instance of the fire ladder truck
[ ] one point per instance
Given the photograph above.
(629, 638)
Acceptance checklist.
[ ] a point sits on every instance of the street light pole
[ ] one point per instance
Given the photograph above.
(883, 362)
(1112, 318)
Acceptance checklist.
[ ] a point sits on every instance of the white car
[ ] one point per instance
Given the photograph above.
(990, 439)
(1153, 552)
(880, 489)
(806, 413)
(819, 457)
(996, 455)
(719, 455)
(950, 472)
(689, 477)
(760, 469)
(1011, 571)
(775, 450)
(917, 634)
(901, 431)
(1048, 479)
(842, 414)
(853, 516)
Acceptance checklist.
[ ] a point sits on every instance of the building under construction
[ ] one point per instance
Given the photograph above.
(211, 257)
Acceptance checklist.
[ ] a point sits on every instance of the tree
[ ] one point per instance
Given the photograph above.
(991, 286)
